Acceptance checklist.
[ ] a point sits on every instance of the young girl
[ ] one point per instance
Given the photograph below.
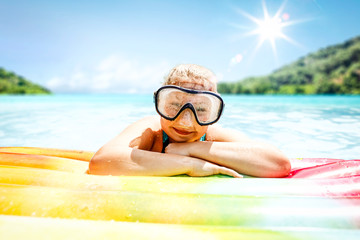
(183, 140)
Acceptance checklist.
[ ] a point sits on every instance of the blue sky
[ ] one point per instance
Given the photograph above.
(128, 46)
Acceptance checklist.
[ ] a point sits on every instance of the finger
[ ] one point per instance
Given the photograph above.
(230, 172)
(169, 149)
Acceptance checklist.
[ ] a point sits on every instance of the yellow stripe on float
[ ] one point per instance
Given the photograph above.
(73, 154)
(44, 162)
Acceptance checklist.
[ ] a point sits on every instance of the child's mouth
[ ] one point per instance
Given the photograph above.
(182, 132)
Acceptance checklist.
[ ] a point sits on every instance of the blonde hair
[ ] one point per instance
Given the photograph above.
(193, 74)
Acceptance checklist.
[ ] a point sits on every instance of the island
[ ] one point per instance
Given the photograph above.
(11, 83)
(331, 70)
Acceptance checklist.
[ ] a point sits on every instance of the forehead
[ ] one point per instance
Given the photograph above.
(196, 84)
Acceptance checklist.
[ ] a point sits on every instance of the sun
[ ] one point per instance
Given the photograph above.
(270, 28)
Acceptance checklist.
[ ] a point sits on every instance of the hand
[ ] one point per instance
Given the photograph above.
(149, 140)
(203, 168)
(182, 149)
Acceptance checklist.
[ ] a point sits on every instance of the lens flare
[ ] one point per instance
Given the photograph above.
(236, 59)
(286, 16)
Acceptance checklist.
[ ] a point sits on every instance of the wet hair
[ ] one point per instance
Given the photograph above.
(192, 74)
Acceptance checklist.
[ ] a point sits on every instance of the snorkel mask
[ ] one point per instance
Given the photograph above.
(171, 101)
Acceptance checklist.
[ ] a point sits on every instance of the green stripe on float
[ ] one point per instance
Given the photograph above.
(196, 209)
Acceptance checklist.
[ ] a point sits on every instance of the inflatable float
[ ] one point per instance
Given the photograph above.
(47, 193)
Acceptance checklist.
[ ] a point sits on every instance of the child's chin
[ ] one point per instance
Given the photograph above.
(182, 139)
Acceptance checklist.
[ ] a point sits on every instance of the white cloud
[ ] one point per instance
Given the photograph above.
(112, 75)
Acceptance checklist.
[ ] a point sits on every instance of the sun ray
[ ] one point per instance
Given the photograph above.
(259, 44)
(253, 32)
(238, 26)
(289, 23)
(266, 14)
(280, 10)
(273, 47)
(292, 41)
(247, 15)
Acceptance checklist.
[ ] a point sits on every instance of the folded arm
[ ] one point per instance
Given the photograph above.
(238, 153)
(137, 162)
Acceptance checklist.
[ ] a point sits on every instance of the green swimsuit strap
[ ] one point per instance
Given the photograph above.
(166, 140)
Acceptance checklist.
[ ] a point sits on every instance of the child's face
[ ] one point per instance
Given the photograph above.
(185, 128)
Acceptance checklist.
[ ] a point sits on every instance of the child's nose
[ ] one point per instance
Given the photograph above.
(186, 118)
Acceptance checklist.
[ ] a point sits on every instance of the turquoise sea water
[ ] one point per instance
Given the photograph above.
(301, 126)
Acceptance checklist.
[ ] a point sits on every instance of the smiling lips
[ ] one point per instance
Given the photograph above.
(182, 131)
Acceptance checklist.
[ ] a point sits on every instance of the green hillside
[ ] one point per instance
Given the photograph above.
(332, 70)
(10, 83)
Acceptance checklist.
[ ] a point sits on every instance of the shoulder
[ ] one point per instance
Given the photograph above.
(220, 134)
(139, 134)
(148, 124)
(152, 122)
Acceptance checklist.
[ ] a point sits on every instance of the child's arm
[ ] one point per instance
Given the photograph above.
(136, 162)
(231, 149)
(132, 153)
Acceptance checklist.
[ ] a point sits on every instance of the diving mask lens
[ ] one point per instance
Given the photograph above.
(170, 101)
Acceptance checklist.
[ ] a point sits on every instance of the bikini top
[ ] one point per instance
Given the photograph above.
(166, 140)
